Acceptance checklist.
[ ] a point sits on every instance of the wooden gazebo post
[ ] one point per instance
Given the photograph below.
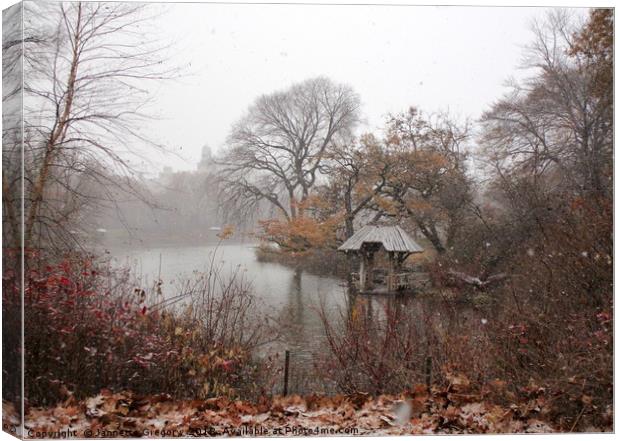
(367, 258)
(390, 274)
(362, 271)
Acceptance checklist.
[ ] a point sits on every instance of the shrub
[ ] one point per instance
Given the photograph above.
(87, 328)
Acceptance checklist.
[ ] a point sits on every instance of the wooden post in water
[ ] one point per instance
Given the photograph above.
(287, 356)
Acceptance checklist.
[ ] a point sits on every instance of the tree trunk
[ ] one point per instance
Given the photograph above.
(348, 225)
(56, 136)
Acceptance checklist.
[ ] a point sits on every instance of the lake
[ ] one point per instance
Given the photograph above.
(292, 295)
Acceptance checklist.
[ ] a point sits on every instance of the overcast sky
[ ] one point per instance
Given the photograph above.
(437, 58)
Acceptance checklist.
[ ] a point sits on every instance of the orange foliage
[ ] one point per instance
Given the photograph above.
(300, 234)
(226, 232)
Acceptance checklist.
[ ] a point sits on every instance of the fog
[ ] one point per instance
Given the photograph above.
(437, 58)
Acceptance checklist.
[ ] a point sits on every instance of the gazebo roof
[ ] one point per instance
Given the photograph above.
(393, 239)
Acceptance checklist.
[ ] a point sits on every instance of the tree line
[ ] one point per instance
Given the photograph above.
(542, 148)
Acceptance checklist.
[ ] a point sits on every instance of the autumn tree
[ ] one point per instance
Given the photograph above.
(276, 150)
(416, 175)
(85, 70)
(594, 45)
(427, 181)
(313, 231)
(357, 171)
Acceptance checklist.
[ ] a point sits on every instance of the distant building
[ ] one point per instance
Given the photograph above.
(206, 159)
(165, 176)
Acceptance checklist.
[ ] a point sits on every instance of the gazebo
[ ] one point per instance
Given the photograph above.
(397, 244)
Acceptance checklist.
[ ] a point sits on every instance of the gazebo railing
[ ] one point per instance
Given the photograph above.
(400, 281)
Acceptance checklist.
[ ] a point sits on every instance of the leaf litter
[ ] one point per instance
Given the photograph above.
(420, 411)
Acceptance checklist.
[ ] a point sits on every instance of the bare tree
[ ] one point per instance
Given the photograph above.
(12, 36)
(555, 127)
(549, 143)
(84, 99)
(276, 150)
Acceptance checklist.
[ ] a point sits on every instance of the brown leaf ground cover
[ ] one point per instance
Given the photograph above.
(421, 411)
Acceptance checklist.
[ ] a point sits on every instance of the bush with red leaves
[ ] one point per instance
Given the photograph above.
(88, 328)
